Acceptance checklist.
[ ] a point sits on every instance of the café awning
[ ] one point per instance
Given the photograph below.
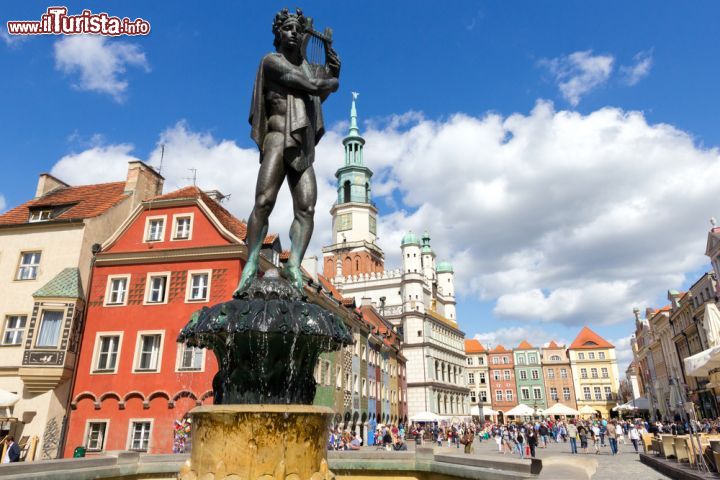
(700, 364)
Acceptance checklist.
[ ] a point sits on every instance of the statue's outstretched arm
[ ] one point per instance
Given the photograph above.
(277, 72)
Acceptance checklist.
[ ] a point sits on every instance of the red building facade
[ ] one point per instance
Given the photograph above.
(503, 390)
(134, 383)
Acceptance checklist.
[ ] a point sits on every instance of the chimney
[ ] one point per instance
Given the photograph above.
(366, 301)
(47, 183)
(310, 266)
(216, 195)
(143, 182)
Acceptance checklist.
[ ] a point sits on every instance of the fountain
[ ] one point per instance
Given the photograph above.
(266, 343)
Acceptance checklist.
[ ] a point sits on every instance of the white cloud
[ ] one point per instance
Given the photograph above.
(556, 216)
(632, 74)
(100, 62)
(623, 353)
(11, 41)
(3, 203)
(510, 337)
(579, 73)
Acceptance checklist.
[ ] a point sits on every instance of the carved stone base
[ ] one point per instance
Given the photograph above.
(259, 442)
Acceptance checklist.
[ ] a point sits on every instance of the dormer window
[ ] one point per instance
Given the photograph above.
(40, 215)
(183, 225)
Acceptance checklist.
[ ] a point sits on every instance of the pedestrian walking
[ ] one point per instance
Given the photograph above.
(572, 433)
(634, 437)
(612, 438)
(532, 441)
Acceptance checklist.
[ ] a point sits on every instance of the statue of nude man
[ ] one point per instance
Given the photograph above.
(286, 119)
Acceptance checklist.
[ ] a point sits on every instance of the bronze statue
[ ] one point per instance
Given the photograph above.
(287, 123)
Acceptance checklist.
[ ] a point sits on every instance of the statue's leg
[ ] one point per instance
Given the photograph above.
(303, 188)
(269, 181)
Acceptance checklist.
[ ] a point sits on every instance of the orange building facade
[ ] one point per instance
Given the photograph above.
(558, 377)
(503, 389)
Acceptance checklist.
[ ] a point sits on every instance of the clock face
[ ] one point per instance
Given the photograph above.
(344, 222)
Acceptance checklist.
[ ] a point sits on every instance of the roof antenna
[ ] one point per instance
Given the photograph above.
(194, 176)
(162, 156)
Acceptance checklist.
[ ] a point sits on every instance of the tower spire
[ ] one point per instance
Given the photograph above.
(354, 130)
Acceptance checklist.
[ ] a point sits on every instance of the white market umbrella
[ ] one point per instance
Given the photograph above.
(7, 399)
(587, 410)
(425, 417)
(521, 410)
(560, 409)
(489, 411)
(700, 364)
(711, 323)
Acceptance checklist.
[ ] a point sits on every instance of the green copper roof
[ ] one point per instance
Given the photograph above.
(410, 239)
(444, 267)
(65, 284)
(426, 243)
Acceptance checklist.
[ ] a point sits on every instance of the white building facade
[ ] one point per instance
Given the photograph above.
(418, 298)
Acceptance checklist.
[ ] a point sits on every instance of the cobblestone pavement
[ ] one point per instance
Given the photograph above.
(623, 466)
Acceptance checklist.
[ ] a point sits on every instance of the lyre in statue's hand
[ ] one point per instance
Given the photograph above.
(333, 62)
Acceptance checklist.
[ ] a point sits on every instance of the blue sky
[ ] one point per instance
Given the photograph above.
(637, 80)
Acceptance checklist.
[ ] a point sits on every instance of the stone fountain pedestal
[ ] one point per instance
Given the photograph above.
(259, 442)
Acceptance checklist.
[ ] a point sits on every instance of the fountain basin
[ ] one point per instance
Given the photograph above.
(259, 442)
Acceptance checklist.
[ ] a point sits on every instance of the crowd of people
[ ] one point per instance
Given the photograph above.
(583, 436)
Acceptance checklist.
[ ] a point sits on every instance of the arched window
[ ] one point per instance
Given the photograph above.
(367, 192)
(437, 374)
(357, 265)
(346, 191)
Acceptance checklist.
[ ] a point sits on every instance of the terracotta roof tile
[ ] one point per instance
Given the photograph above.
(499, 349)
(473, 346)
(383, 327)
(589, 339)
(84, 201)
(553, 345)
(524, 345)
(330, 288)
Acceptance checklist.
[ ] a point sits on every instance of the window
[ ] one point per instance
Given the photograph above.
(563, 373)
(551, 373)
(338, 377)
(155, 229)
(525, 392)
(156, 288)
(148, 352)
(509, 395)
(537, 393)
(506, 374)
(581, 356)
(483, 395)
(535, 374)
(481, 378)
(601, 355)
(96, 436)
(473, 398)
(50, 328)
(604, 372)
(594, 373)
(356, 384)
(598, 394)
(107, 353)
(14, 328)
(140, 436)
(191, 358)
(583, 373)
(496, 360)
(586, 393)
(532, 359)
(566, 393)
(608, 393)
(496, 374)
(498, 395)
(471, 378)
(555, 358)
(182, 228)
(521, 360)
(481, 361)
(553, 393)
(591, 355)
(506, 360)
(523, 374)
(117, 290)
(198, 286)
(470, 360)
(42, 215)
(364, 387)
(28, 267)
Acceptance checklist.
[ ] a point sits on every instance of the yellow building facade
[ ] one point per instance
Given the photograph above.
(595, 372)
